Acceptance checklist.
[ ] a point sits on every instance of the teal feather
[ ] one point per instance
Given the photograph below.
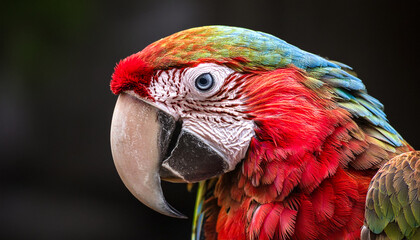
(374, 109)
(394, 138)
(355, 108)
(346, 95)
(371, 99)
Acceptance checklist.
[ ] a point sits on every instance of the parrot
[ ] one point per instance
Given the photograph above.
(282, 143)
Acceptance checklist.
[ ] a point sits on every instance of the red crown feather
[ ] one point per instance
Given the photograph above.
(132, 73)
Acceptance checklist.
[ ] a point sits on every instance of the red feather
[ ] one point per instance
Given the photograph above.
(287, 221)
(298, 180)
(132, 73)
(306, 227)
(323, 199)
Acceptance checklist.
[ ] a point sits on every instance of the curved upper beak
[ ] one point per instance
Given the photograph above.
(148, 144)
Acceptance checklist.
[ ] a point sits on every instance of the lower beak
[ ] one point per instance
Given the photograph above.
(147, 145)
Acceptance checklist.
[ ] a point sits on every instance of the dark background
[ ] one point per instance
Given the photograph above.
(57, 178)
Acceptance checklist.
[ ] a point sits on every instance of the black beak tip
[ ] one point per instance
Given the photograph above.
(175, 213)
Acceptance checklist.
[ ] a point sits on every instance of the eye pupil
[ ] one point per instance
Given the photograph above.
(204, 82)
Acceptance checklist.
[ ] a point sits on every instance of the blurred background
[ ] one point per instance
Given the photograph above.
(57, 178)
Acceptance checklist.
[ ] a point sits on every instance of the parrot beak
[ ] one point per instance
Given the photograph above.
(148, 144)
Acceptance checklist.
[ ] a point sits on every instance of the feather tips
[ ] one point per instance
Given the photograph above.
(271, 221)
(392, 202)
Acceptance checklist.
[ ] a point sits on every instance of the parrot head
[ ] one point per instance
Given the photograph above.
(193, 104)
(180, 115)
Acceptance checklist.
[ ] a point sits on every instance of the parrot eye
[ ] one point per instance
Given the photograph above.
(204, 82)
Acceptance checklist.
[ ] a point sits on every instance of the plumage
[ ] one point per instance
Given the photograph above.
(317, 137)
(392, 204)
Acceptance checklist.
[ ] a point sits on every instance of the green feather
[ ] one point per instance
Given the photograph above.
(384, 202)
(402, 223)
(393, 232)
(415, 207)
(409, 217)
(395, 185)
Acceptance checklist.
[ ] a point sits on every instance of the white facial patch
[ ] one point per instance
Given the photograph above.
(217, 115)
(218, 72)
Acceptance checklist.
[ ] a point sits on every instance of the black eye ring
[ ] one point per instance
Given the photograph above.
(204, 82)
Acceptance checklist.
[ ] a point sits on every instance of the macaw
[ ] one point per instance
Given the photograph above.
(283, 143)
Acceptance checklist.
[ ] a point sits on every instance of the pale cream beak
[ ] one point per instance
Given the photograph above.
(134, 142)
